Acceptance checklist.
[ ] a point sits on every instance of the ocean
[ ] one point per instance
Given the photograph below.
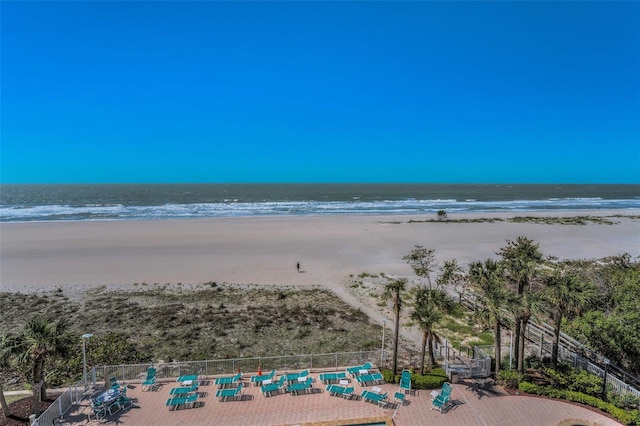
(27, 203)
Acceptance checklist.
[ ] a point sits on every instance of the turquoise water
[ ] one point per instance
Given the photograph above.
(20, 203)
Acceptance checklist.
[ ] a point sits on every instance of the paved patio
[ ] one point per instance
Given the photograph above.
(493, 408)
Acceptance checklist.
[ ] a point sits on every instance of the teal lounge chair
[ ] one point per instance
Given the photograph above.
(328, 378)
(405, 381)
(149, 381)
(184, 390)
(336, 390)
(377, 398)
(226, 394)
(268, 389)
(192, 377)
(259, 379)
(296, 388)
(177, 402)
(440, 402)
(399, 397)
(225, 382)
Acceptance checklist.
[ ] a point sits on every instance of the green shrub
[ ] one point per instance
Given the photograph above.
(389, 377)
(433, 379)
(626, 417)
(510, 379)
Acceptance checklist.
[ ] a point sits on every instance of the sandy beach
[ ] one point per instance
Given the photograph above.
(39, 256)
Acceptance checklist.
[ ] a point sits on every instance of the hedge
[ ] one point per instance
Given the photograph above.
(631, 417)
(432, 380)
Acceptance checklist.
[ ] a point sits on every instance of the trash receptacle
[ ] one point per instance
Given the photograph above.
(454, 377)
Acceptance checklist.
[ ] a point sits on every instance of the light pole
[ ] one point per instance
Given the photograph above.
(84, 359)
(604, 381)
(384, 326)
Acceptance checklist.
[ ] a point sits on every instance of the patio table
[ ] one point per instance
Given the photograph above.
(107, 396)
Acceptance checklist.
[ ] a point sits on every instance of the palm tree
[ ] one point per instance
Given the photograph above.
(394, 291)
(495, 299)
(429, 307)
(567, 294)
(38, 341)
(521, 259)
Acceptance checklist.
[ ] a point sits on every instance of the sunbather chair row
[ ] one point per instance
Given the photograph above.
(184, 390)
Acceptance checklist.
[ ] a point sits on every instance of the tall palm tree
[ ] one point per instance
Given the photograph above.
(4, 363)
(38, 341)
(495, 299)
(430, 305)
(394, 291)
(567, 293)
(533, 305)
(422, 261)
(521, 259)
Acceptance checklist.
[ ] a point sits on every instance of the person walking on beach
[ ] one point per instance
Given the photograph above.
(298, 266)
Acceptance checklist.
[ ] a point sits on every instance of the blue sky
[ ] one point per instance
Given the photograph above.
(456, 92)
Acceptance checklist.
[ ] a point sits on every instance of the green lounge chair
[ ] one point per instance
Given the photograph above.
(327, 378)
(226, 394)
(184, 390)
(336, 390)
(268, 389)
(113, 383)
(377, 398)
(259, 379)
(298, 387)
(176, 402)
(192, 377)
(149, 381)
(225, 382)
(399, 397)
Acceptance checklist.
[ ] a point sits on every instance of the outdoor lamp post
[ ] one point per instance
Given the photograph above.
(604, 381)
(384, 326)
(84, 359)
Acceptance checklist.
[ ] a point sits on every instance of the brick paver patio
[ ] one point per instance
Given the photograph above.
(496, 408)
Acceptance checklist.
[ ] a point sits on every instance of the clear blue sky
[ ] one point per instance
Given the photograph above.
(479, 92)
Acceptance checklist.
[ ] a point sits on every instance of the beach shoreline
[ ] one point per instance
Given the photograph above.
(264, 250)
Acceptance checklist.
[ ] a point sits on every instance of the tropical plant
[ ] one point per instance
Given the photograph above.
(566, 293)
(38, 341)
(4, 363)
(422, 261)
(429, 307)
(442, 215)
(394, 291)
(495, 300)
(521, 259)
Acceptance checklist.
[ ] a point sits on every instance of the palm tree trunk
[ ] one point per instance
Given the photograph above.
(424, 346)
(38, 371)
(498, 346)
(556, 339)
(395, 343)
(525, 322)
(432, 358)
(3, 402)
(516, 339)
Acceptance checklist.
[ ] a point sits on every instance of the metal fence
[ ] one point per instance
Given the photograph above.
(543, 349)
(72, 395)
(330, 361)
